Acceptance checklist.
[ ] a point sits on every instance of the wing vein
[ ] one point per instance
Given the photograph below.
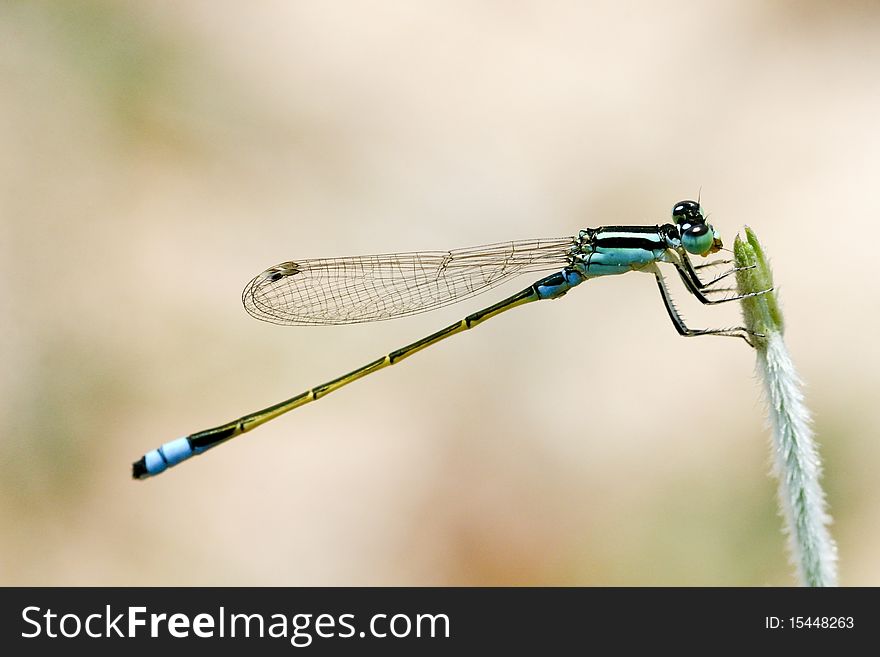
(373, 288)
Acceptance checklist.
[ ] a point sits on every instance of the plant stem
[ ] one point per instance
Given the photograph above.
(797, 465)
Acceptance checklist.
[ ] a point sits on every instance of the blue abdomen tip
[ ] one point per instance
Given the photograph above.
(171, 453)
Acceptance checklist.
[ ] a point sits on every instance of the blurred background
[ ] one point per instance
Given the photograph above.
(156, 156)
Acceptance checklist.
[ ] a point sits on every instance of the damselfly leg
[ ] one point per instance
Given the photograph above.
(679, 323)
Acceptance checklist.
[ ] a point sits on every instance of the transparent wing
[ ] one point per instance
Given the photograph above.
(378, 287)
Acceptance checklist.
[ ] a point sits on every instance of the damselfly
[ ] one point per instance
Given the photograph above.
(379, 287)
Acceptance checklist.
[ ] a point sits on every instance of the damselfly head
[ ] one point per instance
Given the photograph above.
(697, 236)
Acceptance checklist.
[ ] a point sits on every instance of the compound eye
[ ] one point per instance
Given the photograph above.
(698, 239)
(687, 212)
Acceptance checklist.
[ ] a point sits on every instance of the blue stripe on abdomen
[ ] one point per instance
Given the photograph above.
(555, 285)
